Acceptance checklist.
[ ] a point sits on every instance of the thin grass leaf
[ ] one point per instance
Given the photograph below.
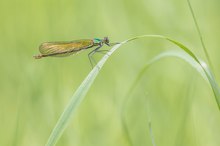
(200, 34)
(149, 120)
(151, 134)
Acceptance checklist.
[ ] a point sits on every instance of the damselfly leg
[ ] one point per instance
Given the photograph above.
(90, 55)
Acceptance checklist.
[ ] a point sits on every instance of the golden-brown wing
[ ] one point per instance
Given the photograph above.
(64, 48)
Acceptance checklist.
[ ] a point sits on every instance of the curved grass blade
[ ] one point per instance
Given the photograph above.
(171, 53)
(204, 66)
(179, 54)
(80, 93)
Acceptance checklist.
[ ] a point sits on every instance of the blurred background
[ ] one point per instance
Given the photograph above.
(177, 100)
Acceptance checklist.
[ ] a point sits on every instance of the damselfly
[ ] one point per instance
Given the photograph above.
(62, 49)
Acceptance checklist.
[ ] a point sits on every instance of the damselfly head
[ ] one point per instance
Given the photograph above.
(105, 41)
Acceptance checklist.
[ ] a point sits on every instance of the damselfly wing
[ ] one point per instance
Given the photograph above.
(62, 49)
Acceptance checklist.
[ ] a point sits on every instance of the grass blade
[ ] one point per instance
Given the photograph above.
(199, 33)
(76, 99)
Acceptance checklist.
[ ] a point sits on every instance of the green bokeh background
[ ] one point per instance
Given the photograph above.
(33, 93)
